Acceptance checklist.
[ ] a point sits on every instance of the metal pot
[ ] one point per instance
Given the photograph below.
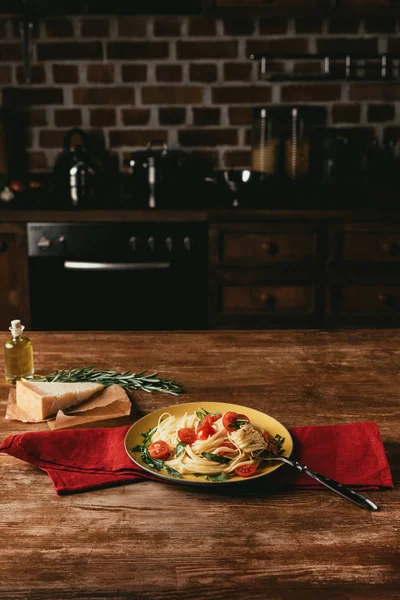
(164, 178)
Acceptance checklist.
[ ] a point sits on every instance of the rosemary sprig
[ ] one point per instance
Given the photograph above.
(127, 380)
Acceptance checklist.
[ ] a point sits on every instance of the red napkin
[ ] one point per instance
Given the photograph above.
(78, 460)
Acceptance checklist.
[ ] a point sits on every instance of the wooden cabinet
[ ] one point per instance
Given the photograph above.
(13, 275)
(265, 274)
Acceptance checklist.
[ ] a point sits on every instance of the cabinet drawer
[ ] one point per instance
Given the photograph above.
(278, 300)
(370, 300)
(379, 246)
(267, 248)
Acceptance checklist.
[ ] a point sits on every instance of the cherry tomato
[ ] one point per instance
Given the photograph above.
(246, 470)
(228, 419)
(187, 435)
(271, 442)
(229, 445)
(206, 420)
(241, 417)
(216, 417)
(203, 433)
(159, 450)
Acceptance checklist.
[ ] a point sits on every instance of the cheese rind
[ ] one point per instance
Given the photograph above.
(42, 399)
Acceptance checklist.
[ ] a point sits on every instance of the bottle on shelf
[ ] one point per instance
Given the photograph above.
(18, 354)
(297, 148)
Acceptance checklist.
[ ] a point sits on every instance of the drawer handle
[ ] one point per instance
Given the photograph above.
(270, 248)
(393, 248)
(388, 300)
(268, 300)
(3, 246)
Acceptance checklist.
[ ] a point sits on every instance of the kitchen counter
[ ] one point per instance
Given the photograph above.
(154, 541)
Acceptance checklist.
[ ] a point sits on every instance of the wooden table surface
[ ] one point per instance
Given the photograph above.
(154, 541)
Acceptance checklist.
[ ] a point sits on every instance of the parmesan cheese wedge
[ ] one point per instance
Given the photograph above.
(42, 399)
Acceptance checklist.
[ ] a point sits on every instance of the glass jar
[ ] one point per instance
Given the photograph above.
(265, 147)
(297, 148)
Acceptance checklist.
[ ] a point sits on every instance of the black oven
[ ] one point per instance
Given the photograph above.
(118, 276)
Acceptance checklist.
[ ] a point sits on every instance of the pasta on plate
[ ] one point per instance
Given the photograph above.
(213, 445)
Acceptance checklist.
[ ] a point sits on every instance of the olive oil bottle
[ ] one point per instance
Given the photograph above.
(18, 354)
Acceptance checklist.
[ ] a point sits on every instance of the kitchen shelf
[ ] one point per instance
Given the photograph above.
(337, 66)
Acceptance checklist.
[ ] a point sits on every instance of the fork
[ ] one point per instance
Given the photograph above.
(340, 489)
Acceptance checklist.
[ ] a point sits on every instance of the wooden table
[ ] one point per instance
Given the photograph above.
(154, 541)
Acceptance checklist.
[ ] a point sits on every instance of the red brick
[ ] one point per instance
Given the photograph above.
(70, 51)
(241, 94)
(10, 52)
(137, 50)
(38, 74)
(172, 116)
(37, 161)
(68, 117)
(200, 27)
(238, 158)
(350, 45)
(346, 113)
(273, 26)
(59, 28)
(206, 116)
(205, 72)
(167, 27)
(5, 74)
(239, 27)
(385, 92)
(65, 73)
(28, 96)
(37, 117)
(51, 138)
(136, 116)
(96, 28)
(102, 117)
(208, 137)
(131, 73)
(241, 115)
(281, 45)
(199, 50)
(171, 73)
(163, 94)
(380, 24)
(308, 25)
(132, 27)
(323, 92)
(136, 137)
(344, 25)
(104, 95)
(379, 113)
(272, 66)
(236, 71)
(100, 73)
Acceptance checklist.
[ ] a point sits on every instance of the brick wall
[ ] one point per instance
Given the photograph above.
(183, 79)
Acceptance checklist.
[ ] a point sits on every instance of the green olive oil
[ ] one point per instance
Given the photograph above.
(18, 354)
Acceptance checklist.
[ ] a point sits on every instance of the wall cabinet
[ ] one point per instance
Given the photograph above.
(13, 275)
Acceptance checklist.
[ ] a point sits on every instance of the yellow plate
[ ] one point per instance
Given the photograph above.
(134, 438)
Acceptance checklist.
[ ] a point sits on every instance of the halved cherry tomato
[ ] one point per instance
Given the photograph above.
(228, 419)
(246, 470)
(203, 433)
(159, 450)
(225, 445)
(187, 435)
(271, 442)
(206, 420)
(241, 417)
(216, 417)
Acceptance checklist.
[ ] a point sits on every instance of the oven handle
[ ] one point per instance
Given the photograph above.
(105, 266)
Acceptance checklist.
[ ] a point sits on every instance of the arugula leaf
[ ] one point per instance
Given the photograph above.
(137, 448)
(219, 477)
(210, 413)
(200, 415)
(172, 472)
(216, 457)
(180, 448)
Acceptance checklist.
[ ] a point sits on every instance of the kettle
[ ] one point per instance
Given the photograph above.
(76, 173)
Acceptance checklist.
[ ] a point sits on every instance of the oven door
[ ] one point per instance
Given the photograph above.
(75, 293)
